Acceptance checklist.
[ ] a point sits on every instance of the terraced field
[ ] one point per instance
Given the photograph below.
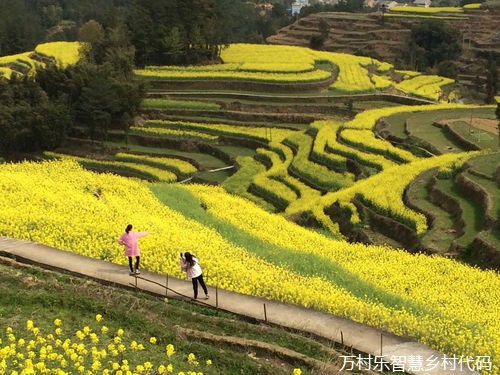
(377, 168)
(386, 36)
(60, 53)
(321, 159)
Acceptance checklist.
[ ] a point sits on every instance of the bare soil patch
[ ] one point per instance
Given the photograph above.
(485, 124)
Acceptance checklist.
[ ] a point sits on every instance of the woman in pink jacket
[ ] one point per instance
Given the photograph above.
(129, 240)
(189, 263)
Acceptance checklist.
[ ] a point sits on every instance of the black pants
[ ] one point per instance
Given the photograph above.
(137, 260)
(195, 281)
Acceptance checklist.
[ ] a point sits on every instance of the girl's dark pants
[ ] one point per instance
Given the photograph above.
(137, 259)
(195, 281)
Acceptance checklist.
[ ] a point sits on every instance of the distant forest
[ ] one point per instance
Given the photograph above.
(161, 31)
(100, 92)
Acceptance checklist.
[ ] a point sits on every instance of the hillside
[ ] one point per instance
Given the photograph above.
(295, 163)
(366, 34)
(368, 159)
(271, 257)
(292, 119)
(304, 142)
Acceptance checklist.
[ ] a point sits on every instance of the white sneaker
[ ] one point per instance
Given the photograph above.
(207, 296)
(137, 272)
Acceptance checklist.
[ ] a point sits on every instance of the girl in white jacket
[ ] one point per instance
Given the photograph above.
(189, 263)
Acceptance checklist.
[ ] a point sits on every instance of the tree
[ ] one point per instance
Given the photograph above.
(174, 46)
(104, 94)
(20, 27)
(279, 11)
(179, 31)
(91, 32)
(324, 28)
(341, 6)
(430, 43)
(465, 2)
(491, 80)
(497, 113)
(317, 41)
(98, 103)
(29, 121)
(100, 90)
(447, 68)
(51, 15)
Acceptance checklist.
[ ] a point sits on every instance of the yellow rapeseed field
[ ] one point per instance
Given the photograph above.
(459, 292)
(279, 63)
(65, 53)
(428, 10)
(93, 349)
(426, 86)
(439, 302)
(55, 203)
(374, 191)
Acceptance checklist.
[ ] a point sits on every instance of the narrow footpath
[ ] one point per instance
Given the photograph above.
(416, 357)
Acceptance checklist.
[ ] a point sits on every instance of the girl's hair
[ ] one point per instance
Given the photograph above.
(128, 228)
(189, 258)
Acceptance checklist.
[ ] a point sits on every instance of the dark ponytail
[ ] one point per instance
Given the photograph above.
(128, 228)
(189, 258)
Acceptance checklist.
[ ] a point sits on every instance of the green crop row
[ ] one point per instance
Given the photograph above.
(279, 171)
(322, 134)
(177, 104)
(239, 182)
(173, 133)
(275, 184)
(273, 191)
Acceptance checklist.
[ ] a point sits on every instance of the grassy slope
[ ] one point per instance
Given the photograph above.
(471, 214)
(301, 263)
(420, 125)
(440, 234)
(77, 301)
(486, 163)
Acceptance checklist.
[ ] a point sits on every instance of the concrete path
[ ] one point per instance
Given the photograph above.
(415, 357)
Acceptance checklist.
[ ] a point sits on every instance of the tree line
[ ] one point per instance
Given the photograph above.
(100, 93)
(92, 96)
(162, 31)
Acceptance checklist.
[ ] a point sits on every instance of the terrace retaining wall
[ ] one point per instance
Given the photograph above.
(241, 85)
